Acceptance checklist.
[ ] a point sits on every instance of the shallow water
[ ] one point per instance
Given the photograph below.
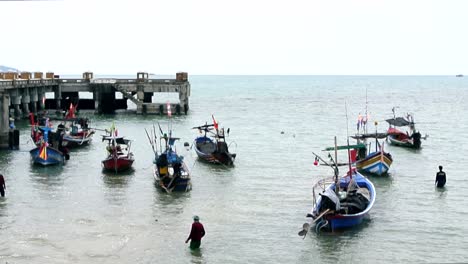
(252, 211)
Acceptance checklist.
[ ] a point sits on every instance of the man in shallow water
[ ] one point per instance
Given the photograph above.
(440, 178)
(2, 186)
(196, 233)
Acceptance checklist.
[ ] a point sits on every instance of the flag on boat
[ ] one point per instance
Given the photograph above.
(43, 152)
(353, 155)
(71, 111)
(215, 124)
(113, 130)
(359, 121)
(169, 113)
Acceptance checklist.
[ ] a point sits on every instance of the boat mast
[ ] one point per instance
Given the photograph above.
(347, 141)
(337, 187)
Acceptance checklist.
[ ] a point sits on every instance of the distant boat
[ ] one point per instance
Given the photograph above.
(459, 75)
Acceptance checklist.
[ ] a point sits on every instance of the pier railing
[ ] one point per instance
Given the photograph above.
(5, 84)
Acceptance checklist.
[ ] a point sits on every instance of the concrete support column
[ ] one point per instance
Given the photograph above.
(34, 98)
(33, 107)
(16, 102)
(25, 100)
(18, 112)
(184, 93)
(41, 102)
(97, 106)
(25, 110)
(58, 99)
(4, 119)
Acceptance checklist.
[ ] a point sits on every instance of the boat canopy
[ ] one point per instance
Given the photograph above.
(371, 135)
(357, 146)
(399, 121)
(118, 140)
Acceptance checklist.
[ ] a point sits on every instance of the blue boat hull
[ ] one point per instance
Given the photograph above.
(207, 151)
(54, 157)
(343, 221)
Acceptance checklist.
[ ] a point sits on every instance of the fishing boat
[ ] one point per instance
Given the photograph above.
(373, 162)
(211, 146)
(45, 153)
(170, 170)
(340, 202)
(405, 135)
(119, 157)
(367, 161)
(77, 130)
(78, 134)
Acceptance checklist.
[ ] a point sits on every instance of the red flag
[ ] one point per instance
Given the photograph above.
(71, 112)
(215, 123)
(353, 153)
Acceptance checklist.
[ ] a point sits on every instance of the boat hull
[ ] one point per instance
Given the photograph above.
(377, 163)
(54, 157)
(206, 150)
(399, 138)
(118, 164)
(344, 221)
(76, 141)
(182, 183)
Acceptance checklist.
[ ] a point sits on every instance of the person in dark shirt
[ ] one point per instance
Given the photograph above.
(440, 178)
(2, 185)
(196, 233)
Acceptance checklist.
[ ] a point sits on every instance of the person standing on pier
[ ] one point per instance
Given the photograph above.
(196, 233)
(440, 178)
(2, 185)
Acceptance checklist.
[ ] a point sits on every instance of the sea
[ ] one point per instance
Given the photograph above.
(252, 212)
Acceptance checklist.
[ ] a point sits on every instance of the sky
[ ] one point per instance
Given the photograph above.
(312, 37)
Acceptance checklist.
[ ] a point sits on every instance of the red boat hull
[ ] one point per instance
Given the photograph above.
(117, 164)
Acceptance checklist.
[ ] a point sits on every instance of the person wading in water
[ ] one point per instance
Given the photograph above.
(440, 178)
(2, 186)
(196, 233)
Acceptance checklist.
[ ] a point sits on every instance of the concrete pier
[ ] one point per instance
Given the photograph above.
(24, 93)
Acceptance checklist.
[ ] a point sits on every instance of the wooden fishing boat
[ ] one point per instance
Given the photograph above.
(119, 157)
(340, 202)
(46, 154)
(345, 206)
(409, 137)
(170, 170)
(77, 130)
(377, 162)
(212, 147)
